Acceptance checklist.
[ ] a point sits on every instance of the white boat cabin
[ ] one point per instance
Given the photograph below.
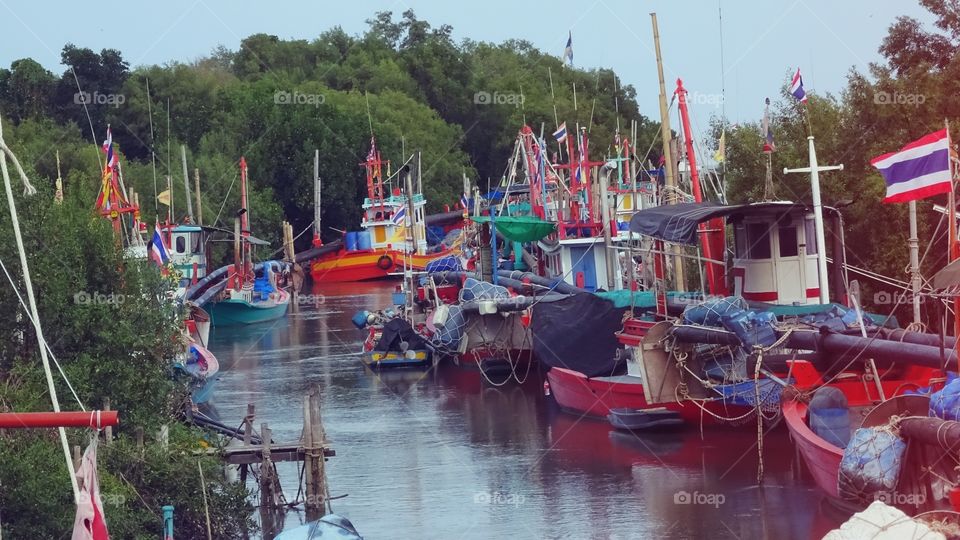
(775, 257)
(188, 253)
(386, 230)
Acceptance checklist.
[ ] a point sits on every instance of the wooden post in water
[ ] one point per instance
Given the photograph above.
(247, 438)
(267, 495)
(314, 441)
(196, 192)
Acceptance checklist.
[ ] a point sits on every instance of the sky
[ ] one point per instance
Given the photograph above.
(762, 41)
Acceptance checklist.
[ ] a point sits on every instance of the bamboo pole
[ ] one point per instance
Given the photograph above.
(186, 182)
(666, 134)
(196, 192)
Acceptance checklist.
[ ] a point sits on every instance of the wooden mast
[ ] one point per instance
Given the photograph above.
(670, 179)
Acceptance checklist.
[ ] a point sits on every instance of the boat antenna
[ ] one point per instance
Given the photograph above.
(366, 98)
(93, 135)
(593, 105)
(170, 207)
(523, 110)
(153, 151)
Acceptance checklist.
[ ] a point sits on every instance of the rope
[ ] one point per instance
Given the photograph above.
(18, 235)
(36, 325)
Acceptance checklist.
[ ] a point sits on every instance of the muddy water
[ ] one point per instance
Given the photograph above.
(445, 455)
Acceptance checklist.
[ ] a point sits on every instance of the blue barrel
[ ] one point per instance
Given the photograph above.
(830, 416)
(364, 241)
(351, 241)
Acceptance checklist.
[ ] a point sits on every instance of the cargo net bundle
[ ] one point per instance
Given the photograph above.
(452, 339)
(727, 370)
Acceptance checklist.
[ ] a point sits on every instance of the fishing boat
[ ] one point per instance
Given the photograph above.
(250, 296)
(378, 250)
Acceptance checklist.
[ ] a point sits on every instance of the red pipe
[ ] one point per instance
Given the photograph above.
(78, 419)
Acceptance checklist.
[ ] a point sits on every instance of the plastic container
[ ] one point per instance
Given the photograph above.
(751, 327)
(351, 241)
(360, 319)
(364, 241)
(399, 298)
(832, 425)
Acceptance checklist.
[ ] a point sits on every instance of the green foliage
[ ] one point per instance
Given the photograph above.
(115, 335)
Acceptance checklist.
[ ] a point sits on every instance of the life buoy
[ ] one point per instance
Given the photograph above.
(384, 262)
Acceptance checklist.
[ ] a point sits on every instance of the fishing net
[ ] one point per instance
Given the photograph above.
(871, 464)
(481, 290)
(946, 403)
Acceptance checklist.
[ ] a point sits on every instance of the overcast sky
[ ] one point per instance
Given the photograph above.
(762, 40)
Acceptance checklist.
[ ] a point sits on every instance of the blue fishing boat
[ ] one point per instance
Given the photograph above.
(250, 296)
(329, 526)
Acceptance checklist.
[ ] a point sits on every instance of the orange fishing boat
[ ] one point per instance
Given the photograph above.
(379, 248)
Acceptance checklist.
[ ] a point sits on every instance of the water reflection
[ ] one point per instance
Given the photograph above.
(443, 454)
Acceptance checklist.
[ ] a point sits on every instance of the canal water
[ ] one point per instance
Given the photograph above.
(447, 455)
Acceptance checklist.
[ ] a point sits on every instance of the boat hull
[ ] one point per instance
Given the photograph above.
(597, 396)
(822, 458)
(232, 312)
(343, 266)
(393, 360)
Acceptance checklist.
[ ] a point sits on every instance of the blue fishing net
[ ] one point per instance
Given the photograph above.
(871, 464)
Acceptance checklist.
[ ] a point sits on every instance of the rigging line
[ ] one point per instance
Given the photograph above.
(36, 324)
(93, 134)
(225, 197)
(278, 250)
(15, 219)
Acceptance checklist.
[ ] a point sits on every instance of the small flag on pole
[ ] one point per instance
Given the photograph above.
(164, 197)
(721, 154)
(568, 51)
(158, 251)
(796, 87)
(464, 202)
(372, 155)
(918, 170)
(400, 217)
(561, 133)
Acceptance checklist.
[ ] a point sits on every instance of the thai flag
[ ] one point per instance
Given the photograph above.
(561, 133)
(372, 155)
(108, 149)
(400, 217)
(918, 170)
(464, 201)
(796, 87)
(158, 251)
(568, 50)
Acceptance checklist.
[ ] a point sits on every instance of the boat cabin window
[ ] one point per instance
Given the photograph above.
(758, 241)
(181, 244)
(788, 241)
(810, 234)
(740, 239)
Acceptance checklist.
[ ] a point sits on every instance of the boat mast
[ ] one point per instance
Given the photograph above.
(708, 230)
(317, 242)
(244, 220)
(814, 169)
(670, 180)
(186, 182)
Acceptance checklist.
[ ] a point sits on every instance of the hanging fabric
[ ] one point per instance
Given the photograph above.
(90, 523)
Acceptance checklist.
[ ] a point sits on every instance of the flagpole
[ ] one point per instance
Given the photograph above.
(914, 243)
(952, 229)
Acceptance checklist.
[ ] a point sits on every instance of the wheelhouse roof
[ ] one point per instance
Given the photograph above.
(677, 223)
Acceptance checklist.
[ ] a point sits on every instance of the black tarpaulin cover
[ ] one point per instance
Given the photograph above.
(578, 333)
(395, 331)
(677, 223)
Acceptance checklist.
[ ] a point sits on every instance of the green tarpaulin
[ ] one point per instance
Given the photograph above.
(520, 228)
